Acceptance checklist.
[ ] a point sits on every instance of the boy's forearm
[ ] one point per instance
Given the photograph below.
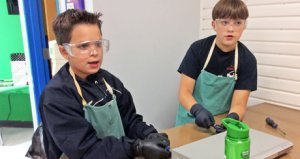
(187, 100)
(239, 102)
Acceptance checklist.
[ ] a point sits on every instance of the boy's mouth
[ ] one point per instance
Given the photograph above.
(229, 37)
(93, 62)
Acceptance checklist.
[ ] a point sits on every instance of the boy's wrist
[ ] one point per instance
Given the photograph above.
(233, 115)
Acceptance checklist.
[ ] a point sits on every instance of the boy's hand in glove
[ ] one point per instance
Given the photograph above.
(233, 115)
(221, 128)
(154, 146)
(203, 118)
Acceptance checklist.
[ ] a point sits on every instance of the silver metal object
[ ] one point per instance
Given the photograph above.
(1, 141)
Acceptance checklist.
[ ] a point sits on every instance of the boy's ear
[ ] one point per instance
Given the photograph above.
(245, 26)
(63, 52)
(213, 24)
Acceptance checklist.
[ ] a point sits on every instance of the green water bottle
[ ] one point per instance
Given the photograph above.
(237, 141)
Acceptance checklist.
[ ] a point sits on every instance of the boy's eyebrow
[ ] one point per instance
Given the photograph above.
(85, 41)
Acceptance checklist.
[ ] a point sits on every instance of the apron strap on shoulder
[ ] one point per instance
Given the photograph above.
(77, 86)
(109, 88)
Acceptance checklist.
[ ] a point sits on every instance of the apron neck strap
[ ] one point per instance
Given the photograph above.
(209, 53)
(236, 60)
(236, 57)
(109, 88)
(77, 86)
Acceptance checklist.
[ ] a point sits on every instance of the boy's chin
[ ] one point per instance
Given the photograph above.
(93, 71)
(229, 43)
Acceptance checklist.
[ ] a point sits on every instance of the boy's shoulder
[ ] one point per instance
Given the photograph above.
(109, 77)
(204, 42)
(244, 50)
(201, 47)
(61, 79)
(246, 55)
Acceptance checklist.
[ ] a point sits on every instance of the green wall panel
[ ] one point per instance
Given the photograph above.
(10, 39)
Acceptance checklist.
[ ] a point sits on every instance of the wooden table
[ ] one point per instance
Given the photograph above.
(287, 119)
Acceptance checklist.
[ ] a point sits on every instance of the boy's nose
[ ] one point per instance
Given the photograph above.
(94, 52)
(230, 27)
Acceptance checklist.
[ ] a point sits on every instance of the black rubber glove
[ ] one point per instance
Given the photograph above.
(154, 146)
(203, 118)
(233, 115)
(221, 128)
(161, 136)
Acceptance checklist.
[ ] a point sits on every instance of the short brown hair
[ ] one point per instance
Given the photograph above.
(233, 9)
(64, 23)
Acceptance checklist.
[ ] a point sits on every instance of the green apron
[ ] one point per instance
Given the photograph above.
(105, 119)
(211, 91)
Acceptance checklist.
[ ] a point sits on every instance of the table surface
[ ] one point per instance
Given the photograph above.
(287, 119)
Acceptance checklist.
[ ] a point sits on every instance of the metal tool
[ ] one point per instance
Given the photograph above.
(167, 148)
(219, 128)
(274, 125)
(1, 141)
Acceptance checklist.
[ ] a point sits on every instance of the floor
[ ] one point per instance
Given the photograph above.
(16, 142)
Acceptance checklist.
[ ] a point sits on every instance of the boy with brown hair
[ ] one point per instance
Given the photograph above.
(218, 72)
(87, 113)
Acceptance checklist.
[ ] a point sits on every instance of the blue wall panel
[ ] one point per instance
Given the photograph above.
(37, 42)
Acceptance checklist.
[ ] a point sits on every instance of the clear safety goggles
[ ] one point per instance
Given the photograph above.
(236, 23)
(87, 48)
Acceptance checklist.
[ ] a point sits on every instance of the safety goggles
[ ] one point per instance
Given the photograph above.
(236, 23)
(87, 48)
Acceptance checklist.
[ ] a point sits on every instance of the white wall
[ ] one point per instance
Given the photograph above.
(148, 41)
(272, 34)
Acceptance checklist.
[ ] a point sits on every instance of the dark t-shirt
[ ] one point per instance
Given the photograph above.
(221, 63)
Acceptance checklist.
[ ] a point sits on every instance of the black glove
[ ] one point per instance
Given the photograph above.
(161, 136)
(203, 118)
(154, 146)
(233, 115)
(221, 128)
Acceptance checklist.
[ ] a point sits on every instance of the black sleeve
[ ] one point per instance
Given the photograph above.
(63, 118)
(191, 64)
(194, 60)
(133, 123)
(247, 73)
